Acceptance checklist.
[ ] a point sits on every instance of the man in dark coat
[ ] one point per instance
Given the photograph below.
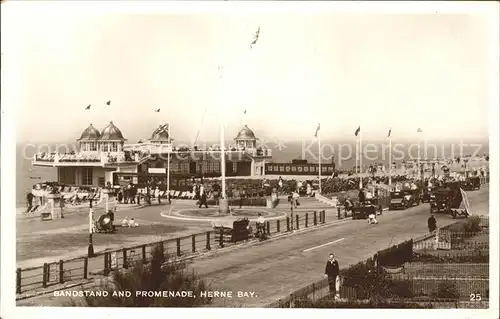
(331, 272)
(29, 199)
(431, 223)
(203, 200)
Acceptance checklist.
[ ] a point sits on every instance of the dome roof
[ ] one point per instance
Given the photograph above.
(111, 133)
(245, 134)
(90, 134)
(160, 134)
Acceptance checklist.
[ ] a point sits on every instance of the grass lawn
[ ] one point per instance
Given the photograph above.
(60, 243)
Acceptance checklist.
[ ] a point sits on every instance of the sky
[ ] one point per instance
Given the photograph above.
(427, 71)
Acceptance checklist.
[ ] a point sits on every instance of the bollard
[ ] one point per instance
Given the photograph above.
(338, 212)
(106, 264)
(315, 219)
(268, 224)
(278, 226)
(125, 264)
(307, 219)
(178, 246)
(143, 249)
(193, 242)
(288, 224)
(61, 271)
(297, 220)
(208, 240)
(221, 238)
(18, 280)
(44, 275)
(85, 268)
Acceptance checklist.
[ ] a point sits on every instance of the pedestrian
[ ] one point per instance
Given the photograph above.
(203, 200)
(361, 196)
(61, 205)
(29, 201)
(332, 272)
(431, 223)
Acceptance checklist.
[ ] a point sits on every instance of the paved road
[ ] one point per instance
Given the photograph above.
(278, 267)
(275, 269)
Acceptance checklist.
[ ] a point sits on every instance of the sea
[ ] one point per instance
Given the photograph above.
(342, 153)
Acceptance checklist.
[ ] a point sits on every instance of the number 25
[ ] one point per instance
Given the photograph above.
(475, 297)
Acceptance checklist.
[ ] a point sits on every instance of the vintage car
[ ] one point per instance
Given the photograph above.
(449, 200)
(471, 183)
(404, 199)
(362, 210)
(439, 200)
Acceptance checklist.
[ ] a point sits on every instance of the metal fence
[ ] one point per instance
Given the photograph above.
(103, 263)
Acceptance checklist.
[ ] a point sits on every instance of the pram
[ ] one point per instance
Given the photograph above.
(105, 223)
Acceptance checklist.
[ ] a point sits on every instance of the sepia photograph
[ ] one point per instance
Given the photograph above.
(238, 155)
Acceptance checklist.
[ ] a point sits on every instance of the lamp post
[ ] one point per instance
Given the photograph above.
(91, 246)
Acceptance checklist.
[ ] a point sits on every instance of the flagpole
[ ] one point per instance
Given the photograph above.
(390, 158)
(222, 142)
(319, 163)
(360, 161)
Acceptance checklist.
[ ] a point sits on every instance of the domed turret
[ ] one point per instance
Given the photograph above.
(246, 134)
(90, 134)
(246, 138)
(160, 135)
(111, 133)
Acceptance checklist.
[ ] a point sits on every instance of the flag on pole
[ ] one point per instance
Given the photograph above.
(255, 38)
(389, 134)
(108, 103)
(157, 110)
(88, 107)
(357, 130)
(317, 130)
(419, 130)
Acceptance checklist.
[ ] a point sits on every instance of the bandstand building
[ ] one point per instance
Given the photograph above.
(104, 157)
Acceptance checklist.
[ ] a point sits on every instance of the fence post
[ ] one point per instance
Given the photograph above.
(278, 226)
(193, 241)
(18, 280)
(106, 264)
(178, 246)
(48, 272)
(208, 240)
(297, 220)
(162, 249)
(307, 219)
(61, 271)
(143, 249)
(44, 275)
(85, 268)
(268, 224)
(315, 218)
(125, 264)
(338, 212)
(221, 238)
(288, 224)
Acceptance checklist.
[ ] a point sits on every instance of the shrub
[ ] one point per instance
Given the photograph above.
(154, 277)
(480, 256)
(446, 290)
